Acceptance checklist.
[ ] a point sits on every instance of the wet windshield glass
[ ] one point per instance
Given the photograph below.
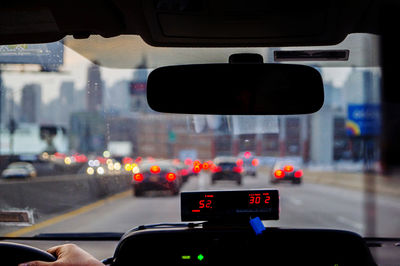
(103, 161)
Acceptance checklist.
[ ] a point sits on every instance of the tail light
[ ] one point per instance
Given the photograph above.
(184, 172)
(206, 166)
(288, 168)
(255, 162)
(127, 160)
(298, 173)
(216, 169)
(239, 162)
(138, 177)
(170, 176)
(279, 173)
(247, 154)
(196, 169)
(155, 169)
(197, 162)
(238, 169)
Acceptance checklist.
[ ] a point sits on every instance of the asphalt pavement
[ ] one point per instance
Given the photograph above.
(302, 206)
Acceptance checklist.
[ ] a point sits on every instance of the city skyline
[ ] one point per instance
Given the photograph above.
(117, 97)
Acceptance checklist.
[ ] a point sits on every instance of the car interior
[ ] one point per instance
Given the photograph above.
(205, 59)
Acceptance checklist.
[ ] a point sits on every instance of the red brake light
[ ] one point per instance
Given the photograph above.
(279, 174)
(196, 169)
(206, 166)
(197, 162)
(255, 162)
(170, 176)
(288, 168)
(239, 162)
(138, 177)
(298, 173)
(247, 154)
(80, 158)
(238, 169)
(127, 160)
(184, 172)
(155, 169)
(216, 169)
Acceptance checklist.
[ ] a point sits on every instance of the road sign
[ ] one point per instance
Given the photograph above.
(50, 55)
(363, 120)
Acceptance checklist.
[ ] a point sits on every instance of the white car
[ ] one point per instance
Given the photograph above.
(19, 170)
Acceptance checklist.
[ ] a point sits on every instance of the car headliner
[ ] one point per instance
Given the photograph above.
(213, 24)
(131, 51)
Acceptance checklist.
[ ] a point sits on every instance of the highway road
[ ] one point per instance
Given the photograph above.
(302, 206)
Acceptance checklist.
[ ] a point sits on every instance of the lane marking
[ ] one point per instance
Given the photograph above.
(68, 215)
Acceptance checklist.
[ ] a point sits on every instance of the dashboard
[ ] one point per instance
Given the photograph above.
(240, 246)
(233, 234)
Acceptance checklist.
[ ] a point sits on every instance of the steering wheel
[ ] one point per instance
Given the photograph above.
(13, 254)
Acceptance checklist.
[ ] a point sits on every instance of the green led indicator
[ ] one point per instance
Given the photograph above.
(186, 257)
(200, 257)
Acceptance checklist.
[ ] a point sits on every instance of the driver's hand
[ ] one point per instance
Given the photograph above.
(66, 255)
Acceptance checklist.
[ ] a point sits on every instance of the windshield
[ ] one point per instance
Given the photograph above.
(105, 162)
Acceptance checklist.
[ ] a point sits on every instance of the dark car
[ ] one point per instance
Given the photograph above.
(157, 176)
(184, 170)
(286, 171)
(226, 168)
(249, 163)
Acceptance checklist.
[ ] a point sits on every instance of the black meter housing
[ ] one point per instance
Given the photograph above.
(240, 205)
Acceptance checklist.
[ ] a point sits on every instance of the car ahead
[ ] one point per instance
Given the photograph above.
(19, 170)
(226, 168)
(157, 175)
(184, 170)
(286, 171)
(249, 163)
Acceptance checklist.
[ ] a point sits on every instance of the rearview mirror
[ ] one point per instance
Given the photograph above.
(236, 89)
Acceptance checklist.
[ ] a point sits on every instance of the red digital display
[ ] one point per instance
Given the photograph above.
(259, 198)
(206, 203)
(230, 205)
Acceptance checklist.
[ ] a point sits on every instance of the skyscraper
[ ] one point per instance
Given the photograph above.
(65, 104)
(138, 88)
(94, 89)
(67, 92)
(30, 103)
